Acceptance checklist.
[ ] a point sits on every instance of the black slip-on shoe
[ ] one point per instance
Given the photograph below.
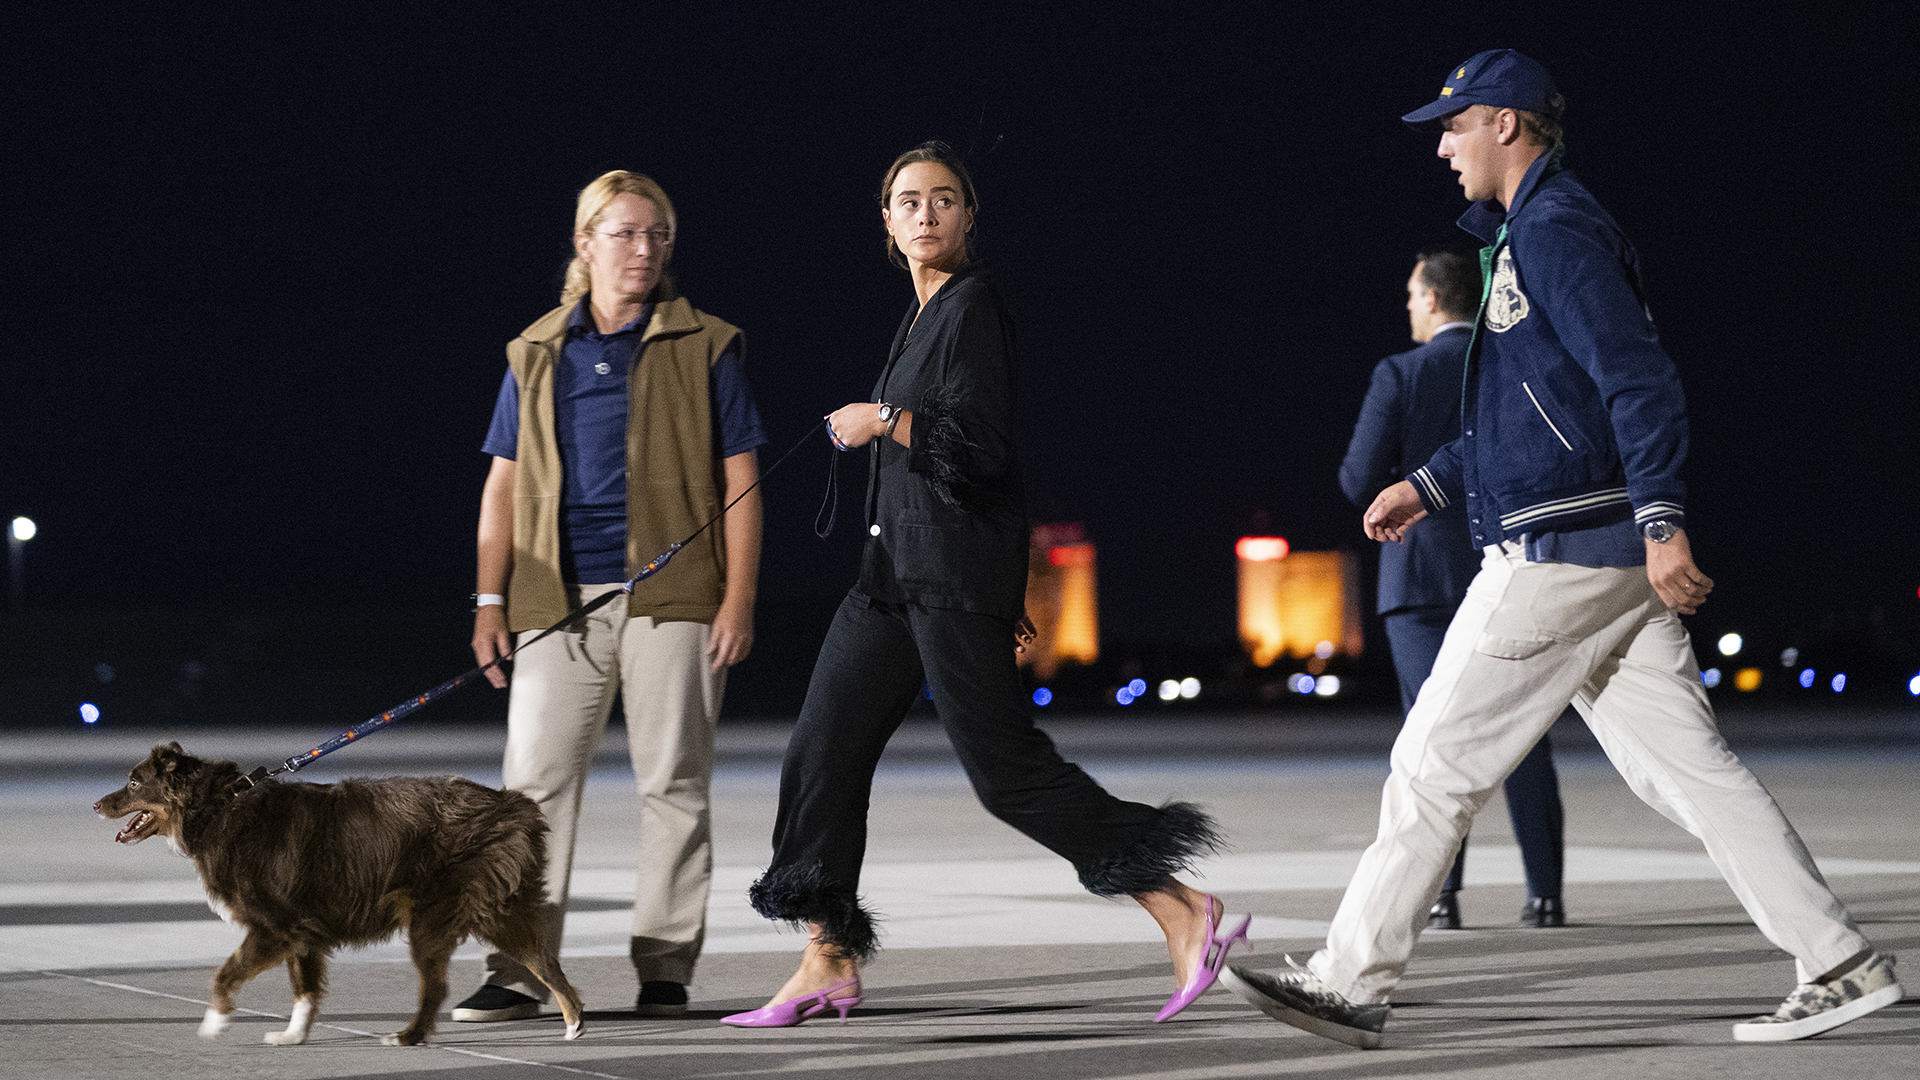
(661, 999)
(491, 1003)
(1543, 911)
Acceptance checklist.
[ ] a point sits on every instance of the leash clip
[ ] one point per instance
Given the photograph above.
(252, 779)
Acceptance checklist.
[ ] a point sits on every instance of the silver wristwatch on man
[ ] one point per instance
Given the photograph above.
(1660, 530)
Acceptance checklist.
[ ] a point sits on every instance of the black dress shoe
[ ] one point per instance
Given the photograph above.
(1543, 911)
(1445, 913)
(661, 999)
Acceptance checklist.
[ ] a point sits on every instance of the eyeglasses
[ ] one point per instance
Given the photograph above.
(655, 238)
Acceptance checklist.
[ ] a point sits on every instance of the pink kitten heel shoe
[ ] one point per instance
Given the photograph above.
(1213, 957)
(800, 1009)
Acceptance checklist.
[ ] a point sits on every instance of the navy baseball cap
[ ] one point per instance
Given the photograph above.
(1501, 78)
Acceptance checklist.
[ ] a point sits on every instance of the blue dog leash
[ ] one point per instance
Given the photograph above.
(408, 707)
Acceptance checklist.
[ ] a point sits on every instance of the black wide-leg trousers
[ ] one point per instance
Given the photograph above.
(871, 668)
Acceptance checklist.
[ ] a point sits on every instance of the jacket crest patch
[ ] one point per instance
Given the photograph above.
(1506, 304)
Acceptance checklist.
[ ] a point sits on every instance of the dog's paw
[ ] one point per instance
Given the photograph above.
(575, 1029)
(403, 1038)
(214, 1023)
(284, 1038)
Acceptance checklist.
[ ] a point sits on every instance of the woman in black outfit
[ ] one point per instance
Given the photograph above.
(942, 585)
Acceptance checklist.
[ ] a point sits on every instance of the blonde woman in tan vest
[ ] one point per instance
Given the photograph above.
(624, 421)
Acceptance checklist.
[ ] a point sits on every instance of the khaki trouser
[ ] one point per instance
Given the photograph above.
(1529, 638)
(563, 690)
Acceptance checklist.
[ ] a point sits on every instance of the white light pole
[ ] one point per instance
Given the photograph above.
(18, 534)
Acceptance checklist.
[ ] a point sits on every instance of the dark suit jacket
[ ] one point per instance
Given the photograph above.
(946, 517)
(1413, 409)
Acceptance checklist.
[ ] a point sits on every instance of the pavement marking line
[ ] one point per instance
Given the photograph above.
(335, 1027)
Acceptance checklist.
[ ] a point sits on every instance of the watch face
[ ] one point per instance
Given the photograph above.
(1660, 531)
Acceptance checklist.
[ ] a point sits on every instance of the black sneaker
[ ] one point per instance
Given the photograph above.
(661, 999)
(1445, 913)
(1543, 911)
(1299, 998)
(491, 1003)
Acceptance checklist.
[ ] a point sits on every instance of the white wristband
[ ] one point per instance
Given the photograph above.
(487, 599)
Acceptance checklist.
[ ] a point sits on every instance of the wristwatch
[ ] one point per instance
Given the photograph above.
(890, 416)
(1660, 530)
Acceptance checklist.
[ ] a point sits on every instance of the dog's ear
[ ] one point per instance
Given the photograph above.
(167, 759)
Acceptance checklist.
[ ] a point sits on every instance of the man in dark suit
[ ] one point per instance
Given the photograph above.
(1412, 409)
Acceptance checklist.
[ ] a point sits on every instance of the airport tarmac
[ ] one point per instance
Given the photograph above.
(995, 962)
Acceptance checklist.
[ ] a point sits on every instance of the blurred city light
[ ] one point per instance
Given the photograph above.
(1913, 686)
(1169, 689)
(1043, 697)
(1123, 696)
(1261, 548)
(1789, 656)
(1189, 687)
(1711, 677)
(1730, 644)
(1839, 682)
(1137, 687)
(1747, 679)
(1327, 685)
(24, 529)
(1062, 599)
(1299, 604)
(1324, 650)
(1300, 684)
(89, 713)
(1806, 676)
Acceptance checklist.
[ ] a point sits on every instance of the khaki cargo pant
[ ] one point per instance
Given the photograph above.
(1528, 639)
(562, 696)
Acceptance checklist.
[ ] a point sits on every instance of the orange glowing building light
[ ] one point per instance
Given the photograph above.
(1062, 599)
(1296, 603)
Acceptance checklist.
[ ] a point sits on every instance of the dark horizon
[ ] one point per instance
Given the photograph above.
(264, 271)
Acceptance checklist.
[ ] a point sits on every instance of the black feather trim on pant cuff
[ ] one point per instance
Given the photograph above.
(941, 445)
(1182, 833)
(799, 895)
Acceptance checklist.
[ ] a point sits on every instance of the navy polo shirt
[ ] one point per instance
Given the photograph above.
(590, 424)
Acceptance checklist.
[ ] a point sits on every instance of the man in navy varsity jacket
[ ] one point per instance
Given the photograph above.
(1413, 409)
(1573, 436)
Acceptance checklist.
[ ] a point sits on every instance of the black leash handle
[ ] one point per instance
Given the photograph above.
(401, 711)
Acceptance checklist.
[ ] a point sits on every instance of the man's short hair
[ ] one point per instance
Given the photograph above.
(1542, 129)
(1454, 277)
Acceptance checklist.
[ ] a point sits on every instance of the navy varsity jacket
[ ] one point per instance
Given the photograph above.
(1571, 412)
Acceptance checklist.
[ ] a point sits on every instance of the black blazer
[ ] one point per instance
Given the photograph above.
(1413, 409)
(946, 517)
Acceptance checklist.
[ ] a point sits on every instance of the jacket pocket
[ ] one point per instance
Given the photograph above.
(1535, 398)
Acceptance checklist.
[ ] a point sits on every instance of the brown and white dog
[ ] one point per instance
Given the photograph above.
(306, 868)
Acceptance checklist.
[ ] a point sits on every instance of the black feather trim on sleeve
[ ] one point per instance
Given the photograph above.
(942, 446)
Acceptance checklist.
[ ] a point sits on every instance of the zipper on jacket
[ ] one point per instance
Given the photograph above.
(1544, 416)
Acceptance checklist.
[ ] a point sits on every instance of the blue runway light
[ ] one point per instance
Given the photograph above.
(1138, 688)
(1124, 695)
(1300, 684)
(89, 713)
(1839, 682)
(1806, 676)
(1043, 697)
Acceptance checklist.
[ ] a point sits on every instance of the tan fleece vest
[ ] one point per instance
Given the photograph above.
(673, 482)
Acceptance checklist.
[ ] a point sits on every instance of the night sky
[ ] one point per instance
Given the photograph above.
(262, 269)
